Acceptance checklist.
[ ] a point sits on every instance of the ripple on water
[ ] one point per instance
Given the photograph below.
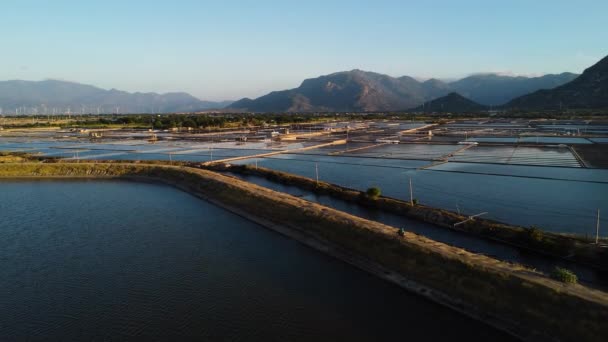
(110, 260)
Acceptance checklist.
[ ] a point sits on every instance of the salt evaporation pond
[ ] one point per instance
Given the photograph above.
(561, 200)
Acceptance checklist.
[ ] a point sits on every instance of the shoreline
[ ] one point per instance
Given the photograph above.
(316, 243)
(568, 247)
(471, 284)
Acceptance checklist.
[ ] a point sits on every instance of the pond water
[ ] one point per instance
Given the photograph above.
(561, 200)
(110, 260)
(587, 275)
(126, 149)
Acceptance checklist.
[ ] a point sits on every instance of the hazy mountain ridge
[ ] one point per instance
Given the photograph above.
(494, 90)
(452, 103)
(62, 95)
(589, 90)
(358, 90)
(346, 91)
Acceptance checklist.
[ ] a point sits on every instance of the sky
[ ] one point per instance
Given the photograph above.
(226, 50)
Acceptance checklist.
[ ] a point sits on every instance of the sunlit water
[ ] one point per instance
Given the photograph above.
(561, 200)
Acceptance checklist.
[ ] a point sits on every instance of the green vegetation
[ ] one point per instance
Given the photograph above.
(209, 121)
(11, 158)
(373, 193)
(534, 234)
(194, 121)
(22, 157)
(564, 275)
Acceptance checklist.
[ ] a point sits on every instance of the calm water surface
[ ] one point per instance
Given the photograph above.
(91, 260)
(562, 200)
(586, 275)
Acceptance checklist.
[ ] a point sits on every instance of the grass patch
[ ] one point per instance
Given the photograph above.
(564, 275)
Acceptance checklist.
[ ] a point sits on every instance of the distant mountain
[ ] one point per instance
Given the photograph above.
(356, 91)
(589, 90)
(451, 103)
(493, 89)
(62, 95)
(361, 91)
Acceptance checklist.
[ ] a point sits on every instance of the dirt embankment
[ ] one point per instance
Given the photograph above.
(595, 155)
(508, 296)
(570, 247)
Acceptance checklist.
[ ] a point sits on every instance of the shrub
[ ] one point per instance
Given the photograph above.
(564, 275)
(534, 234)
(401, 232)
(373, 193)
(415, 201)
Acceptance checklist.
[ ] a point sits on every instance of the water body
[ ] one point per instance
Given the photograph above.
(142, 150)
(586, 275)
(110, 260)
(562, 200)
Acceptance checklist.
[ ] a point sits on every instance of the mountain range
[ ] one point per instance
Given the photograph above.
(589, 90)
(61, 96)
(346, 91)
(361, 91)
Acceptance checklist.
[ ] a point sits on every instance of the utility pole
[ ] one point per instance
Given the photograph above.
(317, 172)
(411, 193)
(597, 228)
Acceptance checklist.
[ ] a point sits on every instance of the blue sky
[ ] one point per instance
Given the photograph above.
(231, 49)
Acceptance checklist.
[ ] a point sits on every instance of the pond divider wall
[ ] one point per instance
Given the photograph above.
(510, 297)
(569, 247)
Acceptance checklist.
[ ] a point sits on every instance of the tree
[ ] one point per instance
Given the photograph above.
(158, 124)
(373, 193)
(189, 123)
